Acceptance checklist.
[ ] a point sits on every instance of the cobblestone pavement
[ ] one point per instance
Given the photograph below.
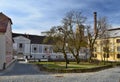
(22, 72)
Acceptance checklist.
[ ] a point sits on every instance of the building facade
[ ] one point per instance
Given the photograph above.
(32, 47)
(6, 43)
(108, 48)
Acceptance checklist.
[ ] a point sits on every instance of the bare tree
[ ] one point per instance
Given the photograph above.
(98, 32)
(104, 38)
(58, 35)
(76, 38)
(66, 33)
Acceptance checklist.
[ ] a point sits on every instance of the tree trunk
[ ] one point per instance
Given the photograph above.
(66, 60)
(104, 58)
(77, 59)
(91, 53)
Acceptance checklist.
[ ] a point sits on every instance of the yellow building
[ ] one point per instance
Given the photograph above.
(108, 49)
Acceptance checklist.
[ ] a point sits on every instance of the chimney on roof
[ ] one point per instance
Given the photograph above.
(95, 22)
(26, 35)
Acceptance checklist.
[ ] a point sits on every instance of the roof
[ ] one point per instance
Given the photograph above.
(114, 32)
(35, 39)
(113, 29)
(3, 22)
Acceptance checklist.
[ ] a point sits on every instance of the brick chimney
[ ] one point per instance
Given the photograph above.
(95, 22)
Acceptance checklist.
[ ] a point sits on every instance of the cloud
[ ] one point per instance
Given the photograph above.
(30, 16)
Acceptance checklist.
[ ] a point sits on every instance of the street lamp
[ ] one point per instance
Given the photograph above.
(66, 44)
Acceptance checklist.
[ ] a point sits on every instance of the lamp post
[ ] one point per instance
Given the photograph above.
(67, 62)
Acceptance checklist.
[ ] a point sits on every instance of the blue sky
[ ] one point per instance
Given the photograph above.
(36, 16)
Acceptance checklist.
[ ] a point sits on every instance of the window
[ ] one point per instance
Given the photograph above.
(48, 49)
(45, 50)
(117, 40)
(118, 48)
(106, 55)
(20, 45)
(118, 55)
(94, 55)
(106, 49)
(34, 48)
(106, 41)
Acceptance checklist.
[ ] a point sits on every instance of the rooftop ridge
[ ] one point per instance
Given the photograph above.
(114, 29)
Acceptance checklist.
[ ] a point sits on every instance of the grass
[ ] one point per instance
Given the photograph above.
(82, 67)
(71, 65)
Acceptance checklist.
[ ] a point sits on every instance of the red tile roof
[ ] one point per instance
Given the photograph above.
(3, 22)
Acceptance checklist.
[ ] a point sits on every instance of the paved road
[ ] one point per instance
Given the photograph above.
(21, 68)
(22, 72)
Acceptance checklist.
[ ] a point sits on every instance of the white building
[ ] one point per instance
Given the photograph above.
(6, 44)
(31, 46)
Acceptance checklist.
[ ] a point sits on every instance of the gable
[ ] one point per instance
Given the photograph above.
(4, 22)
(21, 39)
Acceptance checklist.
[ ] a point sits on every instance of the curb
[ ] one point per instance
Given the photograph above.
(41, 67)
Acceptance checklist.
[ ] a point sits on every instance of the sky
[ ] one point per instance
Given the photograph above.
(36, 16)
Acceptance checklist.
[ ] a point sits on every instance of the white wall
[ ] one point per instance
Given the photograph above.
(27, 49)
(25, 42)
(39, 55)
(40, 52)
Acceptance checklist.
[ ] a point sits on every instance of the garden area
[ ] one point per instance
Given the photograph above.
(59, 67)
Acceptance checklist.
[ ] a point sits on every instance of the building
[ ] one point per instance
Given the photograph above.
(6, 43)
(108, 48)
(32, 47)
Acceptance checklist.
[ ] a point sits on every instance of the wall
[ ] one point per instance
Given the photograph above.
(26, 45)
(38, 52)
(112, 50)
(2, 50)
(8, 44)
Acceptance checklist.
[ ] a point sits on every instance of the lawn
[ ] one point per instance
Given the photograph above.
(71, 65)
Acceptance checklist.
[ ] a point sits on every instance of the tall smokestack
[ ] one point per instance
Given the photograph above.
(95, 22)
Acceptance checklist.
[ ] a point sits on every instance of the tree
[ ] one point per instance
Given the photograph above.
(104, 38)
(66, 33)
(76, 38)
(100, 27)
(58, 35)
